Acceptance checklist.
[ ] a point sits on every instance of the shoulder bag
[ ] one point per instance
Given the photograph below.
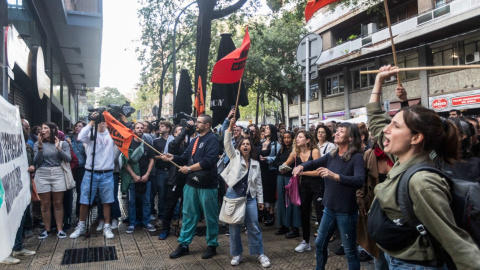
(292, 189)
(233, 210)
(67, 173)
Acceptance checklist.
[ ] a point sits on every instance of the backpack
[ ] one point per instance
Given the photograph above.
(400, 233)
(465, 203)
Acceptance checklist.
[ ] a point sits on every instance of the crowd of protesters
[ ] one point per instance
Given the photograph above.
(183, 172)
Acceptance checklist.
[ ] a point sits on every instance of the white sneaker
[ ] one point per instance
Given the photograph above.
(80, 230)
(10, 260)
(107, 231)
(304, 246)
(100, 226)
(24, 252)
(114, 224)
(236, 260)
(264, 260)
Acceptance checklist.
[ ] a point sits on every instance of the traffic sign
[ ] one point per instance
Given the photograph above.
(315, 49)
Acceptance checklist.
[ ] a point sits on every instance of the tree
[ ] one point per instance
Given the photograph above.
(104, 97)
(272, 70)
(157, 19)
(210, 10)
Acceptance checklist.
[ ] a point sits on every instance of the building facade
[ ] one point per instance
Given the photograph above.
(425, 32)
(52, 52)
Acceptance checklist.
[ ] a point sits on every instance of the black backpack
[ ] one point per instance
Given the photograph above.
(400, 233)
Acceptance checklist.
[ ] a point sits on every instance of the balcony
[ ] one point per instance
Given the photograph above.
(422, 24)
(83, 6)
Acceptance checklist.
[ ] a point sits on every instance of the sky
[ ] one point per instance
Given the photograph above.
(121, 32)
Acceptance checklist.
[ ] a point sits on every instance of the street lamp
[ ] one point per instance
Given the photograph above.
(75, 49)
(79, 74)
(79, 65)
(174, 55)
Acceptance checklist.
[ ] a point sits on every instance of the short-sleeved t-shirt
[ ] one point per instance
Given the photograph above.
(145, 159)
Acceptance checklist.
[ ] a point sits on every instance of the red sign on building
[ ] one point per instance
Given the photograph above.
(466, 100)
(439, 103)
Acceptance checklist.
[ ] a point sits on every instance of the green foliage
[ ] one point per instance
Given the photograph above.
(105, 96)
(352, 37)
(339, 41)
(271, 68)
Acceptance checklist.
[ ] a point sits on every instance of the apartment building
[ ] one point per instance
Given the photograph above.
(425, 32)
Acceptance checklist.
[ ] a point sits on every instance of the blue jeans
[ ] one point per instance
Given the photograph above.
(161, 179)
(132, 211)
(116, 214)
(399, 264)
(255, 243)
(347, 224)
(380, 263)
(18, 245)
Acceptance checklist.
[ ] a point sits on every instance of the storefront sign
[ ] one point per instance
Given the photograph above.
(464, 100)
(17, 50)
(38, 71)
(439, 103)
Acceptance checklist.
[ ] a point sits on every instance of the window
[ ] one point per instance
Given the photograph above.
(364, 80)
(406, 62)
(334, 85)
(447, 55)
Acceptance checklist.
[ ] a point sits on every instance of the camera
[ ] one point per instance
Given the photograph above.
(100, 110)
(182, 118)
(117, 110)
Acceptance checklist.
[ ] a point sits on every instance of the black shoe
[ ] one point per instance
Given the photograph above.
(293, 233)
(270, 220)
(363, 256)
(281, 230)
(179, 252)
(209, 252)
(340, 251)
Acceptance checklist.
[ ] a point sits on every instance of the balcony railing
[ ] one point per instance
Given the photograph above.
(87, 6)
(425, 19)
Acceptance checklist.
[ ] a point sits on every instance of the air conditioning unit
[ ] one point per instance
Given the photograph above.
(472, 58)
(391, 79)
(314, 95)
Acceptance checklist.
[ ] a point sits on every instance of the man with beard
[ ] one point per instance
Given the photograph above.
(139, 167)
(201, 191)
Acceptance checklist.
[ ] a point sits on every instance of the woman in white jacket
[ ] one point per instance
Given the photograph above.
(244, 179)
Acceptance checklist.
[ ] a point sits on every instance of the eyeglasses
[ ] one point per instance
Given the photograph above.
(199, 122)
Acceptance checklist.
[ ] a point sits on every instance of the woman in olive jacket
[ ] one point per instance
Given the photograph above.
(410, 138)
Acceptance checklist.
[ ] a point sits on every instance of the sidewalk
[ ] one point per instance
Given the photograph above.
(143, 250)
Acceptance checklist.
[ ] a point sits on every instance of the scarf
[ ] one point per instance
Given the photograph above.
(381, 155)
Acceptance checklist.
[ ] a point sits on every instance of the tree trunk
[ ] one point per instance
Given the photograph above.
(258, 105)
(282, 108)
(160, 99)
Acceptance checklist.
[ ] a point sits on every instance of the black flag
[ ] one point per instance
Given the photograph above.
(224, 96)
(183, 100)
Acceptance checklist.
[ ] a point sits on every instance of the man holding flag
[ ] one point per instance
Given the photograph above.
(201, 191)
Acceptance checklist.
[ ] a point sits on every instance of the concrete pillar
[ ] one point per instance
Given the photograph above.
(423, 54)
(327, 40)
(346, 86)
(3, 23)
(321, 88)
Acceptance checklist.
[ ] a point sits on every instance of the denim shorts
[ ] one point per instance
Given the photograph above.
(103, 182)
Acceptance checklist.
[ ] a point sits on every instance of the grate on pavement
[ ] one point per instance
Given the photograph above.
(93, 254)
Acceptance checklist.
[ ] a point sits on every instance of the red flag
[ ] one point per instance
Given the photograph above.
(230, 68)
(121, 135)
(199, 100)
(314, 5)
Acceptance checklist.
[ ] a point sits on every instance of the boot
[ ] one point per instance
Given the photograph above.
(293, 233)
(270, 220)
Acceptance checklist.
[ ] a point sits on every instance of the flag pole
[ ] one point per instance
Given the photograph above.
(424, 68)
(155, 150)
(387, 13)
(238, 96)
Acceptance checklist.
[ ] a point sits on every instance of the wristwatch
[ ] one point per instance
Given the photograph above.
(189, 170)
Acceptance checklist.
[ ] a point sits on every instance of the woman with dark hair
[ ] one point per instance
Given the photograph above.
(469, 168)
(287, 216)
(244, 180)
(413, 136)
(268, 152)
(364, 135)
(311, 186)
(49, 177)
(324, 140)
(79, 151)
(255, 135)
(343, 173)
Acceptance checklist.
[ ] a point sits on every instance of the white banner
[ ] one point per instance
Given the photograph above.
(14, 176)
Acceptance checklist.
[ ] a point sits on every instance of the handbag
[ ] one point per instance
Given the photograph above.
(34, 194)
(233, 210)
(68, 175)
(292, 190)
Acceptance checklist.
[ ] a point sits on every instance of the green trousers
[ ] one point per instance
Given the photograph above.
(196, 201)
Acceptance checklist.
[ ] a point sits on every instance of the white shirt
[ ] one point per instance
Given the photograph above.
(104, 156)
